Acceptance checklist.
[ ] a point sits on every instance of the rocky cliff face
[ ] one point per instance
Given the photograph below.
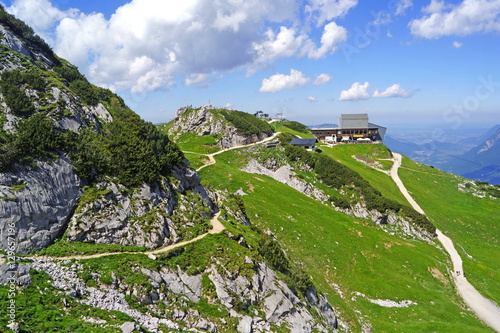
(38, 202)
(204, 121)
(11, 41)
(153, 215)
(164, 302)
(41, 201)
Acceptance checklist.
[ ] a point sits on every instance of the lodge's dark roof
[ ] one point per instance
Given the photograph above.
(303, 142)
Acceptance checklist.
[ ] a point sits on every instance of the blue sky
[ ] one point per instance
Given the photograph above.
(402, 61)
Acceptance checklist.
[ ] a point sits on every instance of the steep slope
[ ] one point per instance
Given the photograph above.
(80, 174)
(465, 211)
(376, 278)
(58, 133)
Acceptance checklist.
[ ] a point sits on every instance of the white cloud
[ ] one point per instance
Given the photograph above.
(145, 44)
(402, 6)
(322, 79)
(279, 82)
(393, 91)
(332, 36)
(46, 15)
(311, 99)
(468, 17)
(275, 46)
(457, 45)
(435, 6)
(359, 91)
(199, 80)
(325, 10)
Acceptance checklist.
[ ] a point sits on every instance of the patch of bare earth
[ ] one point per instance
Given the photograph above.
(438, 275)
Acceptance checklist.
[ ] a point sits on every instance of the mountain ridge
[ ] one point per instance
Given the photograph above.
(131, 189)
(284, 261)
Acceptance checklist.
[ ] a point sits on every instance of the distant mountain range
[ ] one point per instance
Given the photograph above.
(323, 126)
(481, 163)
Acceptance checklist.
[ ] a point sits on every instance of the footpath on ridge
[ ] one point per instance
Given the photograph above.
(211, 156)
(217, 226)
(485, 309)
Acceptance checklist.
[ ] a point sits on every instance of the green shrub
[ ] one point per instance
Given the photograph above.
(129, 148)
(337, 175)
(271, 251)
(85, 91)
(15, 98)
(36, 137)
(69, 73)
(296, 278)
(35, 80)
(340, 202)
(296, 126)
(295, 154)
(285, 138)
(247, 124)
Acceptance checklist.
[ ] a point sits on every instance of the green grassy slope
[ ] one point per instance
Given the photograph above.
(472, 223)
(378, 153)
(353, 254)
(278, 127)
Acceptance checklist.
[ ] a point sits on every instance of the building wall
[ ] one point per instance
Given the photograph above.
(353, 121)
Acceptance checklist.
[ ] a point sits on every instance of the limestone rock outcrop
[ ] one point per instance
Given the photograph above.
(38, 203)
(153, 216)
(204, 121)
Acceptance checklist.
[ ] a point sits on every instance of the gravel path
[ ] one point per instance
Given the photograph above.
(211, 156)
(217, 227)
(483, 307)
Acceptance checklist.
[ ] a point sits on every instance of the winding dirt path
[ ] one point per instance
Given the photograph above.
(485, 309)
(211, 156)
(217, 227)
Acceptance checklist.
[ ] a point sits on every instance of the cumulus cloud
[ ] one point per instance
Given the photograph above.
(311, 99)
(275, 46)
(435, 6)
(457, 45)
(147, 44)
(279, 82)
(322, 79)
(326, 10)
(393, 91)
(332, 36)
(465, 18)
(46, 14)
(359, 91)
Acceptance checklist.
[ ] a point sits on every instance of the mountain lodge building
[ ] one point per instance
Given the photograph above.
(352, 128)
